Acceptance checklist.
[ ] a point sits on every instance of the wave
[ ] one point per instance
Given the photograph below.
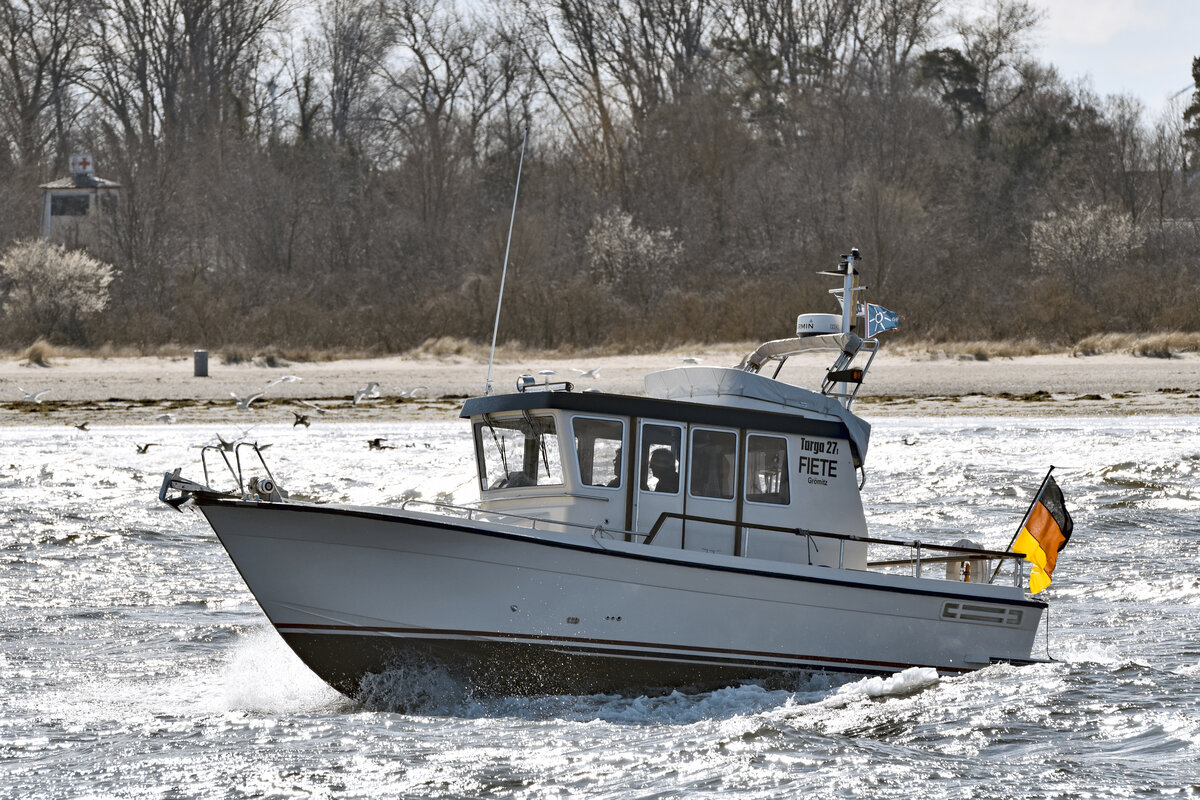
(263, 675)
(427, 689)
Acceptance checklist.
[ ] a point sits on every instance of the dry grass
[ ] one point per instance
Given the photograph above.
(107, 350)
(453, 347)
(284, 356)
(976, 350)
(1147, 345)
(445, 346)
(39, 353)
(267, 357)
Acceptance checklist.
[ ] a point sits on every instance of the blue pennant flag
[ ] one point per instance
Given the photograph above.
(879, 319)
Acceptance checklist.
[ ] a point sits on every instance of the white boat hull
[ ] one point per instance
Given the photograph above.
(354, 591)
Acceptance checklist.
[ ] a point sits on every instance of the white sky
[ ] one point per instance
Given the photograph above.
(1139, 47)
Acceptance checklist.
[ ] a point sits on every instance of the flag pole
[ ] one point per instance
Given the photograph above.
(1024, 519)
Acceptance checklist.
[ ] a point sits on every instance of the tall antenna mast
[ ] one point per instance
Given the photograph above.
(487, 386)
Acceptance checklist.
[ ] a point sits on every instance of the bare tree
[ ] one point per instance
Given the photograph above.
(889, 34)
(564, 43)
(172, 69)
(40, 60)
(657, 50)
(995, 43)
(444, 81)
(354, 38)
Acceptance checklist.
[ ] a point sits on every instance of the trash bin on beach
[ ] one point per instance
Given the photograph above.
(200, 363)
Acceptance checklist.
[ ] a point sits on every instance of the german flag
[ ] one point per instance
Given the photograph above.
(1046, 530)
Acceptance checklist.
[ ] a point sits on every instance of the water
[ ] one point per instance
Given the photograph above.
(136, 664)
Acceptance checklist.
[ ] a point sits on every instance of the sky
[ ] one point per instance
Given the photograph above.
(1139, 47)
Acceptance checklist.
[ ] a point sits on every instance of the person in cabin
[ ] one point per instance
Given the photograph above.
(662, 467)
(616, 481)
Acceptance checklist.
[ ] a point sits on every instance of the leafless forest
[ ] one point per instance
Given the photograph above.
(340, 174)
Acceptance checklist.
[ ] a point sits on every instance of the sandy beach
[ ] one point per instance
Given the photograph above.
(140, 390)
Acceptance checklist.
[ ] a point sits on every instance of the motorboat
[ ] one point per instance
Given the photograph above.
(707, 533)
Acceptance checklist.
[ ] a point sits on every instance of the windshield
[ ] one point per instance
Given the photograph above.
(520, 451)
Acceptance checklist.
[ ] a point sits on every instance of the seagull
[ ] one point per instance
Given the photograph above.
(168, 418)
(378, 444)
(30, 397)
(301, 419)
(142, 448)
(413, 391)
(245, 404)
(369, 391)
(83, 426)
(690, 360)
(314, 407)
(591, 372)
(283, 379)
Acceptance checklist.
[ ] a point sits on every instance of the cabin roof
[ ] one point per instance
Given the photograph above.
(655, 408)
(81, 182)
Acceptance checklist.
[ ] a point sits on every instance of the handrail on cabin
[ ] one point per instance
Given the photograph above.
(972, 552)
(955, 553)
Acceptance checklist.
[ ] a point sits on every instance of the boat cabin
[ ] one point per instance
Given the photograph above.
(715, 460)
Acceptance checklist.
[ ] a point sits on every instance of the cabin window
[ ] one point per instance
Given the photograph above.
(661, 445)
(598, 446)
(520, 451)
(714, 455)
(766, 470)
(69, 205)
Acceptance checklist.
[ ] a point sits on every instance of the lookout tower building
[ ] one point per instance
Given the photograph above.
(73, 207)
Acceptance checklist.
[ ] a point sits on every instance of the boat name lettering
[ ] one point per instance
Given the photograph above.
(818, 447)
(818, 469)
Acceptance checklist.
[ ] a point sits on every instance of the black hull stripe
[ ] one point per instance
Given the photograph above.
(203, 500)
(647, 649)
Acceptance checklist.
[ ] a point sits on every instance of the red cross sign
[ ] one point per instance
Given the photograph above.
(81, 164)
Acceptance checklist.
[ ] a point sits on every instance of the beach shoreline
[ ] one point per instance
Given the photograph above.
(141, 390)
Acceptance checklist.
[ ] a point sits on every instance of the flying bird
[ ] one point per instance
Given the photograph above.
(690, 360)
(412, 392)
(378, 444)
(31, 397)
(142, 448)
(168, 418)
(301, 419)
(369, 391)
(315, 407)
(83, 426)
(591, 372)
(282, 379)
(244, 404)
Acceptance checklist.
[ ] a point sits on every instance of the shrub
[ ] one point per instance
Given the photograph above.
(1084, 242)
(638, 263)
(49, 290)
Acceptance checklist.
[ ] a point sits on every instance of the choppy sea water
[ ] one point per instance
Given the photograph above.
(134, 662)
